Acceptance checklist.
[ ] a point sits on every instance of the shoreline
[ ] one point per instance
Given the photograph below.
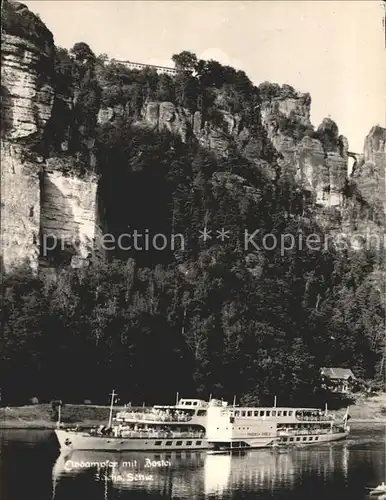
(51, 427)
(369, 411)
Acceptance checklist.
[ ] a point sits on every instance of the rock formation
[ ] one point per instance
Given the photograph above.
(369, 175)
(39, 200)
(26, 80)
(68, 211)
(364, 211)
(20, 209)
(45, 198)
(27, 100)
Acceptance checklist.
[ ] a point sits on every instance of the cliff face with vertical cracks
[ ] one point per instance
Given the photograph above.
(160, 116)
(47, 200)
(364, 212)
(27, 95)
(68, 212)
(35, 201)
(20, 209)
(27, 100)
(318, 166)
(369, 173)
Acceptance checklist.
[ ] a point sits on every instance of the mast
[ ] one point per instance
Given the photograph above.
(345, 418)
(59, 415)
(113, 394)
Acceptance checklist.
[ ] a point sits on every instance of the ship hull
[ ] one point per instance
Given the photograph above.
(242, 444)
(312, 439)
(70, 440)
(253, 443)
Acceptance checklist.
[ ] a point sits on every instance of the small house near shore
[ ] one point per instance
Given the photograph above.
(338, 380)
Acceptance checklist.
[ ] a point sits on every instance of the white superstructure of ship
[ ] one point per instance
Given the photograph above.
(248, 427)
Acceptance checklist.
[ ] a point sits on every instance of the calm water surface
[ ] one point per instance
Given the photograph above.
(31, 467)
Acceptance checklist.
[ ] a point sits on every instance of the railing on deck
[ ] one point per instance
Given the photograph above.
(294, 432)
(153, 417)
(160, 434)
(314, 418)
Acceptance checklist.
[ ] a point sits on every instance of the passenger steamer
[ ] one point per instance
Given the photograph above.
(196, 424)
(238, 428)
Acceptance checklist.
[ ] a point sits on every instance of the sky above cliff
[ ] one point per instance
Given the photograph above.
(333, 49)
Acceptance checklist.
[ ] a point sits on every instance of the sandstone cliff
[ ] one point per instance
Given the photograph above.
(20, 209)
(27, 100)
(364, 211)
(26, 76)
(37, 200)
(318, 167)
(47, 196)
(369, 172)
(68, 211)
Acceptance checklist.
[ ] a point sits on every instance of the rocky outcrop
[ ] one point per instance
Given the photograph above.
(364, 211)
(318, 161)
(337, 174)
(296, 107)
(375, 144)
(36, 200)
(68, 213)
(166, 116)
(215, 129)
(26, 78)
(369, 175)
(307, 163)
(310, 168)
(27, 100)
(155, 115)
(20, 210)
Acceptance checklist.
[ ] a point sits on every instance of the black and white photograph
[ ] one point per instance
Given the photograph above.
(193, 250)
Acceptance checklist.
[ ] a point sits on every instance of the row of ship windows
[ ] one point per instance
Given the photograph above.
(178, 443)
(263, 413)
(309, 438)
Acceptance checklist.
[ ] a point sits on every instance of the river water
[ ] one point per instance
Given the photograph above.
(31, 467)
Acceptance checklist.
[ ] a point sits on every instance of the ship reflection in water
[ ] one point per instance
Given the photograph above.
(200, 474)
(270, 471)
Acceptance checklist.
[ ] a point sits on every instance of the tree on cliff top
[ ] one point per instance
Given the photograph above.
(185, 61)
(82, 53)
(328, 134)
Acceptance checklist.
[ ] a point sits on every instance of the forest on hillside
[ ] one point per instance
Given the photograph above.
(209, 318)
